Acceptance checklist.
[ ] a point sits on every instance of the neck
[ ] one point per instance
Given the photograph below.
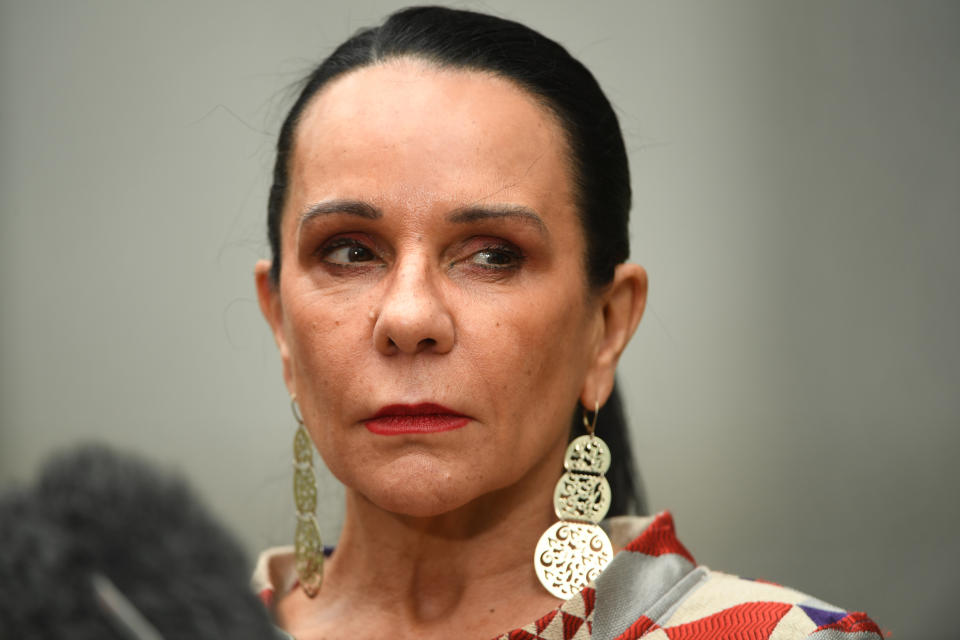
(428, 571)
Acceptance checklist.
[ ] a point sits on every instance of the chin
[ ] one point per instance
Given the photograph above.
(420, 486)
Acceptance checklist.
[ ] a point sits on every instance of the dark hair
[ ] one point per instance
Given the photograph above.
(468, 40)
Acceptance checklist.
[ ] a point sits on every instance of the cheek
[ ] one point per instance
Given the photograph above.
(329, 345)
(532, 345)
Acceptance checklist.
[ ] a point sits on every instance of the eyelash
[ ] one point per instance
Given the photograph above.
(493, 249)
(339, 243)
(512, 253)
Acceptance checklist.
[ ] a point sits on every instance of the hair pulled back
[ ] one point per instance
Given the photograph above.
(460, 39)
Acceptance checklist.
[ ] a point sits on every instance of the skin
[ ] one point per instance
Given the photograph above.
(440, 260)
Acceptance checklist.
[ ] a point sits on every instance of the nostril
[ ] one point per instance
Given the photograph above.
(412, 326)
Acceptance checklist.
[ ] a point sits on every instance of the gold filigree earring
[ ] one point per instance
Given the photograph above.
(308, 548)
(573, 551)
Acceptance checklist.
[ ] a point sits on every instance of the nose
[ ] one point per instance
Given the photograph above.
(413, 317)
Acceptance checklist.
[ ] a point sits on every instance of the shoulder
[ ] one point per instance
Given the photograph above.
(719, 601)
(655, 590)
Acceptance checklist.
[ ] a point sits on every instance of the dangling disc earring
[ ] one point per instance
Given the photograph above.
(573, 551)
(308, 548)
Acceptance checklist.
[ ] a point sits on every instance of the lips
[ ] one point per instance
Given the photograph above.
(397, 419)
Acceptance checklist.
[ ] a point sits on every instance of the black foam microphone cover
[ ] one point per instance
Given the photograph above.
(105, 541)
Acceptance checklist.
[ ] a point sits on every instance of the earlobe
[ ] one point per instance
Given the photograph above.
(268, 294)
(623, 303)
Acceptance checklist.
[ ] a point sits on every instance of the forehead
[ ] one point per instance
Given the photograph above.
(408, 129)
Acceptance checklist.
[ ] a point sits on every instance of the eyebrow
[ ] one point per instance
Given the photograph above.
(349, 207)
(461, 215)
(476, 213)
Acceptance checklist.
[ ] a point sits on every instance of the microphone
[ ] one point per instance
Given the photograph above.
(106, 546)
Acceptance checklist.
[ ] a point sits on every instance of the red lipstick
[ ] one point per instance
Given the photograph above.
(427, 417)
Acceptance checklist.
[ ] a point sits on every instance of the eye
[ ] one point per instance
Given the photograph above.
(346, 251)
(497, 258)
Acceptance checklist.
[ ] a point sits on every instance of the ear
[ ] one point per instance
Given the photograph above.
(268, 294)
(623, 302)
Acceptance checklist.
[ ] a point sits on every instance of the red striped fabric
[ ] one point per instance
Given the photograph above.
(660, 539)
(638, 629)
(852, 623)
(748, 621)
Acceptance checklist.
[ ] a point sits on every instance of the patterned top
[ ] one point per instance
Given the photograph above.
(653, 589)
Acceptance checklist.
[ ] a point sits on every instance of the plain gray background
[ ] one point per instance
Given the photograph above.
(793, 387)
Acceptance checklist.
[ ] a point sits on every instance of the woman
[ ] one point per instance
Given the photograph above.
(448, 223)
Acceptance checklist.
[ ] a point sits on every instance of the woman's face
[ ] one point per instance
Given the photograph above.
(432, 255)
